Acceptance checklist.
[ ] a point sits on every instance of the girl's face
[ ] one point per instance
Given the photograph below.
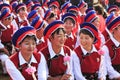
(84, 9)
(54, 9)
(7, 21)
(23, 11)
(68, 25)
(51, 20)
(40, 11)
(58, 39)
(39, 33)
(116, 33)
(86, 41)
(27, 46)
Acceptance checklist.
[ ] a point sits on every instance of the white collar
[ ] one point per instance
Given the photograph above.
(70, 36)
(3, 25)
(81, 14)
(42, 39)
(19, 19)
(85, 52)
(22, 60)
(52, 53)
(115, 41)
(13, 15)
(108, 32)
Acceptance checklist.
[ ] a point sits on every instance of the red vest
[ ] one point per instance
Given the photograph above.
(7, 34)
(79, 19)
(41, 45)
(89, 63)
(106, 35)
(15, 59)
(1, 27)
(56, 65)
(23, 23)
(114, 52)
(82, 19)
(71, 42)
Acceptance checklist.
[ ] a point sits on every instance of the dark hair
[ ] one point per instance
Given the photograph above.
(75, 2)
(86, 32)
(29, 37)
(23, 8)
(51, 15)
(99, 9)
(73, 12)
(69, 19)
(58, 31)
(53, 6)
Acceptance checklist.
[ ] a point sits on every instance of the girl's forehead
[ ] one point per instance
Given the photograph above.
(84, 34)
(60, 32)
(68, 19)
(28, 38)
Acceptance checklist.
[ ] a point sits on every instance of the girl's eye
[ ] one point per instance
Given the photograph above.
(34, 43)
(27, 43)
(86, 38)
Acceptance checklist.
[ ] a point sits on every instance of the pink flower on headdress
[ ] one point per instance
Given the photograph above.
(30, 70)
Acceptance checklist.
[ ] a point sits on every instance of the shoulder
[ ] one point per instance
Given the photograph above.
(14, 56)
(8, 62)
(67, 50)
(42, 57)
(44, 49)
(37, 56)
(108, 42)
(77, 49)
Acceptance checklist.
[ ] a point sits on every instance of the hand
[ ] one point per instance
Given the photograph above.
(6, 51)
(101, 79)
(65, 77)
(54, 78)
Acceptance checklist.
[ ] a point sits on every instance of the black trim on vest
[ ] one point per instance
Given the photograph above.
(114, 52)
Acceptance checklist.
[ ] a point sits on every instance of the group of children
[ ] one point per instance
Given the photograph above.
(52, 42)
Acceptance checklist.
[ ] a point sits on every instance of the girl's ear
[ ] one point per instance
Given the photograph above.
(50, 38)
(19, 47)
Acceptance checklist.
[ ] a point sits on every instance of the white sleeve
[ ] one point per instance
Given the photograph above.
(102, 39)
(102, 69)
(13, 71)
(15, 26)
(42, 69)
(110, 70)
(1, 45)
(76, 68)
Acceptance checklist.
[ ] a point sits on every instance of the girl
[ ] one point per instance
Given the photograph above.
(88, 59)
(25, 40)
(56, 51)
